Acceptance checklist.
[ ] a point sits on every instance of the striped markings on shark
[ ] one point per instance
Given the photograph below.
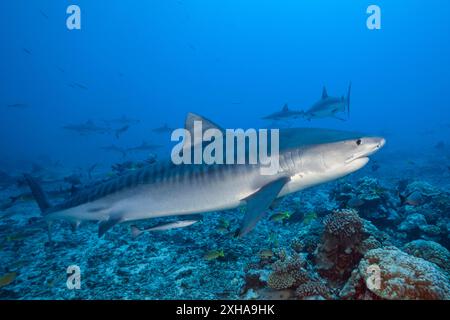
(308, 157)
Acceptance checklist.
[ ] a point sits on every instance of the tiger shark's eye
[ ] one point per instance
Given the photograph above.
(358, 142)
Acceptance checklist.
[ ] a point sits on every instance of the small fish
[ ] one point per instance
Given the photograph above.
(309, 217)
(7, 279)
(224, 223)
(266, 254)
(27, 51)
(223, 226)
(136, 231)
(213, 255)
(280, 217)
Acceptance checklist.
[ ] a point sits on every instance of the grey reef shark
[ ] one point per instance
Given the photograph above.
(284, 114)
(329, 107)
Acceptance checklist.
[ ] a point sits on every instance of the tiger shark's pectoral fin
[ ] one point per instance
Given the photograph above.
(105, 225)
(258, 203)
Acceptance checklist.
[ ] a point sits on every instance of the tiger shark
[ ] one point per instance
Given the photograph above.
(329, 107)
(307, 157)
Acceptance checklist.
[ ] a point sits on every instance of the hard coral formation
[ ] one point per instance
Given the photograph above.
(430, 251)
(344, 225)
(288, 273)
(313, 290)
(425, 211)
(402, 276)
(338, 253)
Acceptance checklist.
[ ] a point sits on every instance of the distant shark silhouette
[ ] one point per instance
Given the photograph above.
(329, 107)
(284, 114)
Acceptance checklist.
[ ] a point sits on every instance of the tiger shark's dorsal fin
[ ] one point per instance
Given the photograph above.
(191, 118)
(206, 123)
(324, 93)
(285, 108)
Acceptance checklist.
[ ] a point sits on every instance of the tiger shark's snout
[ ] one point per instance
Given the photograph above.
(367, 147)
(375, 144)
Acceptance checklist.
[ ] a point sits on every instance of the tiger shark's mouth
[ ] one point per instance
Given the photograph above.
(356, 157)
(379, 143)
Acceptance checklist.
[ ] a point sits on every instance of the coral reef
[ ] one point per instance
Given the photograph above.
(369, 197)
(320, 251)
(401, 276)
(425, 210)
(288, 273)
(313, 290)
(338, 253)
(430, 251)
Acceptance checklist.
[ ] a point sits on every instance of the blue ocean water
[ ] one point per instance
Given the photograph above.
(233, 62)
